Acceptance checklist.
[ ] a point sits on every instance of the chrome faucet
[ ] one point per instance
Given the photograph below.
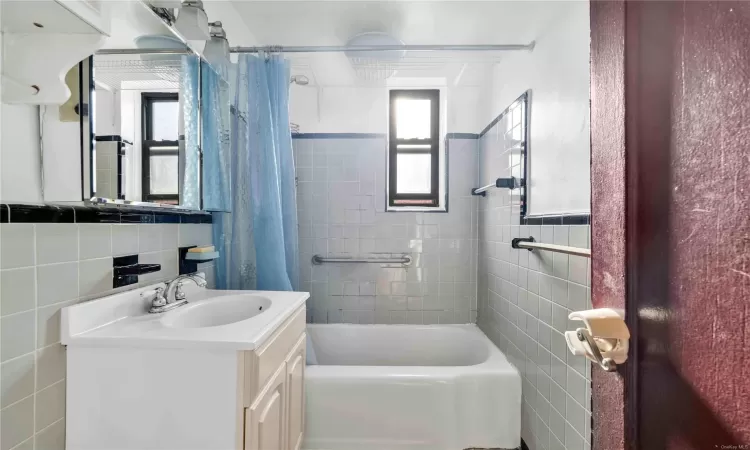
(161, 301)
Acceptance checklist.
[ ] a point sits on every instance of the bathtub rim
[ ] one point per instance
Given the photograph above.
(496, 362)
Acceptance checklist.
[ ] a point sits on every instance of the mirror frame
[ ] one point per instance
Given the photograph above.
(88, 139)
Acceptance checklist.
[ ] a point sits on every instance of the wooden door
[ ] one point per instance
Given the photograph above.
(295, 382)
(670, 174)
(265, 428)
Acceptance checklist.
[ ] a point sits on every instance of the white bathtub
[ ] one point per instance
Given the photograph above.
(436, 387)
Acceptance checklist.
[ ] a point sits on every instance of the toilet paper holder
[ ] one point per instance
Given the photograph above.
(604, 340)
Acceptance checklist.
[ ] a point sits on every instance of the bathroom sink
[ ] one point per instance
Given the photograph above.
(217, 312)
(216, 319)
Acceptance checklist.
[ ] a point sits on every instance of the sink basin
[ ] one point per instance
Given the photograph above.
(217, 312)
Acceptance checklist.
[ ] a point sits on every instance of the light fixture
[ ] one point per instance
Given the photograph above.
(374, 66)
(216, 51)
(192, 21)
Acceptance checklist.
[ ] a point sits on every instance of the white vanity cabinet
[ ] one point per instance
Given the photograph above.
(155, 386)
(295, 382)
(274, 382)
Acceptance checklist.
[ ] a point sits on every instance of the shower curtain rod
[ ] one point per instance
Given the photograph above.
(329, 48)
(383, 48)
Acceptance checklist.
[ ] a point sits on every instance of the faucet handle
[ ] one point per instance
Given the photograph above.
(178, 294)
(158, 296)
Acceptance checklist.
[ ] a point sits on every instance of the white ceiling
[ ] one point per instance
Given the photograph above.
(414, 22)
(305, 23)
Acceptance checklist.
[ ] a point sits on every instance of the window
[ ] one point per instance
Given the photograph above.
(160, 149)
(414, 148)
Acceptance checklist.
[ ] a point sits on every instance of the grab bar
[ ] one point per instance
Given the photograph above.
(510, 183)
(406, 260)
(530, 244)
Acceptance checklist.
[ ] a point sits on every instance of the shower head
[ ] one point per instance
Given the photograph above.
(300, 80)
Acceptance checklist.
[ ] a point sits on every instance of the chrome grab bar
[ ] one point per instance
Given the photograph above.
(405, 260)
(529, 244)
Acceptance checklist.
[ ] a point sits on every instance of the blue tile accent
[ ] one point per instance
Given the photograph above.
(462, 136)
(570, 219)
(338, 135)
(166, 218)
(136, 217)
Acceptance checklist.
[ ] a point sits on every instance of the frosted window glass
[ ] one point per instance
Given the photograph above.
(413, 173)
(164, 174)
(164, 119)
(413, 118)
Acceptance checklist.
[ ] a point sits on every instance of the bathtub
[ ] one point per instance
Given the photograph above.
(436, 387)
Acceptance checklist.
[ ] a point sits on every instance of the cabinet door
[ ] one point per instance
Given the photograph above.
(295, 382)
(265, 428)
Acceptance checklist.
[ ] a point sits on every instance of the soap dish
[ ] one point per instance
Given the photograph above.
(207, 256)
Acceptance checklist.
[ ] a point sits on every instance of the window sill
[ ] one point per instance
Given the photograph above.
(429, 209)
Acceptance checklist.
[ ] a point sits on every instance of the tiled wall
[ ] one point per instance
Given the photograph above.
(524, 300)
(106, 169)
(43, 268)
(341, 202)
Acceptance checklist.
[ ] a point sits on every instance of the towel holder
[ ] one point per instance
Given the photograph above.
(508, 183)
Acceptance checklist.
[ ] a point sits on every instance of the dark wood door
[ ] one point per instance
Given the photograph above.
(670, 125)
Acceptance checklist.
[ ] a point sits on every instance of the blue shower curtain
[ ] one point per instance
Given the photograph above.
(258, 239)
(189, 93)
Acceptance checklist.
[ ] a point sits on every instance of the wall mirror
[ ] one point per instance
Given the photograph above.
(144, 144)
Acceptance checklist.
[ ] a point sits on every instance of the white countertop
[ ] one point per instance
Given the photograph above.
(123, 320)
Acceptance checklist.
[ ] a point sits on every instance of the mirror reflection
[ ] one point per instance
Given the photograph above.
(145, 129)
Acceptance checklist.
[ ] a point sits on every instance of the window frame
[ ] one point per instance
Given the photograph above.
(147, 102)
(406, 201)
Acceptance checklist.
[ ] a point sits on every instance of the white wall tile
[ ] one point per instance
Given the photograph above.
(94, 240)
(124, 239)
(545, 287)
(575, 415)
(17, 248)
(349, 202)
(150, 258)
(194, 234)
(573, 440)
(50, 405)
(33, 362)
(170, 233)
(17, 290)
(56, 242)
(51, 364)
(56, 283)
(16, 379)
(149, 238)
(16, 423)
(18, 334)
(52, 437)
(95, 276)
(48, 324)
(170, 264)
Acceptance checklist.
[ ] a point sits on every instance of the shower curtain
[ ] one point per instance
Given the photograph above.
(258, 239)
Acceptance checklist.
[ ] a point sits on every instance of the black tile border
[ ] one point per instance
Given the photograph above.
(40, 214)
(568, 219)
(19, 213)
(108, 138)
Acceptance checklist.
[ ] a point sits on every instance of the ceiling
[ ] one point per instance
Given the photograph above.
(312, 23)
(414, 22)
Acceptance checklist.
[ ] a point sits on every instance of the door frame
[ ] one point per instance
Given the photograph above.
(663, 397)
